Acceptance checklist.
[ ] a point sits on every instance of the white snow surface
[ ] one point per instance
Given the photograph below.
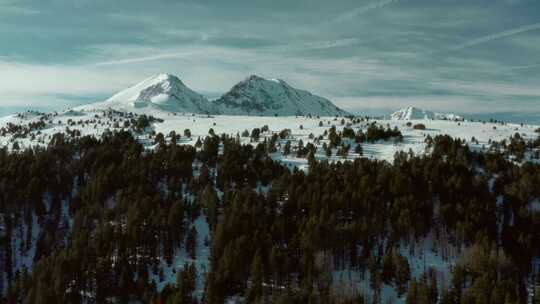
(421, 255)
(181, 258)
(164, 92)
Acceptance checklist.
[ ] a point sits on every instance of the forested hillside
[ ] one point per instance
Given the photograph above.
(106, 220)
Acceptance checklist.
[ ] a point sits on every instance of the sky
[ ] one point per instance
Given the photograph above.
(462, 56)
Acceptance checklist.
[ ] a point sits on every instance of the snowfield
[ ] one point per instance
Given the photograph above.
(96, 122)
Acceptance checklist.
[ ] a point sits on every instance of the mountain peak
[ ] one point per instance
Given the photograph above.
(160, 83)
(256, 95)
(254, 77)
(257, 78)
(163, 77)
(162, 91)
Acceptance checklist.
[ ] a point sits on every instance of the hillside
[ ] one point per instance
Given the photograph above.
(212, 214)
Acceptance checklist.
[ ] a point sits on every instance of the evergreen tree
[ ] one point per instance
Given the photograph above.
(255, 290)
(210, 203)
(412, 294)
(287, 148)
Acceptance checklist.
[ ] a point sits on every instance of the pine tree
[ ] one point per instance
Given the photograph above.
(255, 290)
(434, 294)
(300, 149)
(403, 274)
(424, 291)
(388, 271)
(458, 280)
(312, 162)
(185, 282)
(287, 148)
(447, 297)
(210, 202)
(412, 294)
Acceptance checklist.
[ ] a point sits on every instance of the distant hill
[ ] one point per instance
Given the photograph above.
(412, 113)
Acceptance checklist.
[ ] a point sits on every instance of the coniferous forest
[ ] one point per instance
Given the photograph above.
(108, 221)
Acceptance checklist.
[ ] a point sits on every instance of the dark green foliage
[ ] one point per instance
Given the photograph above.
(419, 126)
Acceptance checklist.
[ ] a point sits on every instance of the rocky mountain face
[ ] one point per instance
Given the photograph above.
(412, 113)
(269, 97)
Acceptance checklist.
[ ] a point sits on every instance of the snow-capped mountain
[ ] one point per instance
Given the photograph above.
(268, 97)
(253, 96)
(164, 92)
(412, 113)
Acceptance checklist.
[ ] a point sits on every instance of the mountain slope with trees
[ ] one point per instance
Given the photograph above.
(104, 220)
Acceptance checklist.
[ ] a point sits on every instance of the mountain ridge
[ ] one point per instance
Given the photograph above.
(255, 96)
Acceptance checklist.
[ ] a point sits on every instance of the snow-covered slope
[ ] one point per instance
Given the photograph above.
(412, 113)
(164, 92)
(264, 97)
(39, 130)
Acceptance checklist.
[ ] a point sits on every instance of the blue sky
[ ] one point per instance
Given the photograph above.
(466, 56)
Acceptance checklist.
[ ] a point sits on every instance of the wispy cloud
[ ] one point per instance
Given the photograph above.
(489, 88)
(12, 9)
(163, 56)
(203, 67)
(101, 47)
(37, 85)
(497, 36)
(361, 10)
(316, 45)
(525, 67)
(332, 44)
